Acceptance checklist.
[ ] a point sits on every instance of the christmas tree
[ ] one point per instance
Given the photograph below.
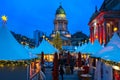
(57, 41)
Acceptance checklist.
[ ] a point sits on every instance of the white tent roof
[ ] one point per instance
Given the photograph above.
(28, 48)
(112, 55)
(69, 48)
(96, 46)
(10, 49)
(45, 47)
(115, 40)
(80, 48)
(111, 51)
(85, 50)
(30, 51)
(104, 50)
(92, 48)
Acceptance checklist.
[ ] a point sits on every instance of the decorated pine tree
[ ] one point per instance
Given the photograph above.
(57, 41)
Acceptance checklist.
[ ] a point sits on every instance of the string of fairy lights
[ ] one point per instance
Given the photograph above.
(25, 63)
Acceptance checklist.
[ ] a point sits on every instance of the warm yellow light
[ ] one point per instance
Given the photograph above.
(115, 29)
(53, 35)
(1, 65)
(22, 42)
(43, 36)
(46, 38)
(95, 23)
(4, 18)
(96, 36)
(61, 15)
(116, 67)
(68, 35)
(89, 39)
(104, 40)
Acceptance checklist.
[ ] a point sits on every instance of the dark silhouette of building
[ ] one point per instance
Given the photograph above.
(79, 38)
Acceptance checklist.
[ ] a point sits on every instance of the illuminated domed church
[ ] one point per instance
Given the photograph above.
(60, 23)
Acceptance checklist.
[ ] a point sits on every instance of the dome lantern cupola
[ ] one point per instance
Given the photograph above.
(60, 13)
(60, 10)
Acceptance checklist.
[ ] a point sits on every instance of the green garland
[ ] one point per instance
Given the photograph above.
(16, 63)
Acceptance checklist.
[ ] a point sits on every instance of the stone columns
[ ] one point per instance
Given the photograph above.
(104, 32)
(92, 34)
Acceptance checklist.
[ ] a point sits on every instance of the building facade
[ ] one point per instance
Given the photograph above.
(60, 23)
(37, 36)
(105, 22)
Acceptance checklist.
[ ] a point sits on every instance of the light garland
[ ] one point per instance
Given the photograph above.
(13, 63)
(108, 62)
(111, 63)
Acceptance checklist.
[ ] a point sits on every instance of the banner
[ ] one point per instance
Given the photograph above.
(107, 72)
(98, 71)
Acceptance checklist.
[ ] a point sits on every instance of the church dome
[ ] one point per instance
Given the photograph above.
(60, 10)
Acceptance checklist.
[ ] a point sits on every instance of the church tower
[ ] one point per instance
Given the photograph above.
(60, 23)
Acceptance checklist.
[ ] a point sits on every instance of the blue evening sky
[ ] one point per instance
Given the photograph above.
(25, 16)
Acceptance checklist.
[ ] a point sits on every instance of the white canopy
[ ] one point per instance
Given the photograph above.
(45, 47)
(111, 51)
(92, 48)
(115, 40)
(85, 50)
(10, 49)
(112, 55)
(28, 48)
(99, 53)
(80, 48)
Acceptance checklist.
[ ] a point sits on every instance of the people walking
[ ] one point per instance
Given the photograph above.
(61, 71)
(43, 68)
(71, 68)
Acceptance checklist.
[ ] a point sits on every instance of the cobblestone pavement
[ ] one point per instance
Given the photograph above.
(74, 76)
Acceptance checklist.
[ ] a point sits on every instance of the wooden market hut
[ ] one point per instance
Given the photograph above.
(48, 50)
(15, 60)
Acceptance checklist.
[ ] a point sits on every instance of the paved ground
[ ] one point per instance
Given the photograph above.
(66, 77)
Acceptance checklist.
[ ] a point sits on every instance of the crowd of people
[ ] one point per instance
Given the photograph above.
(65, 62)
